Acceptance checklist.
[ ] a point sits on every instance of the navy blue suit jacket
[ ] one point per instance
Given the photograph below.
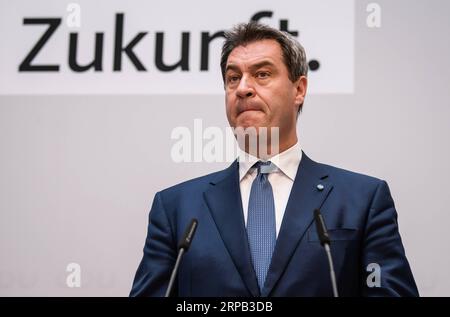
(358, 211)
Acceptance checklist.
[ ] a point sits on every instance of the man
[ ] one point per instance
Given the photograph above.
(256, 235)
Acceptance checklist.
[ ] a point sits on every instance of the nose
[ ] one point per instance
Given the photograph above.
(245, 88)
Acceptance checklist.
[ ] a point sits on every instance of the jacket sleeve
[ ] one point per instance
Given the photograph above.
(153, 274)
(385, 267)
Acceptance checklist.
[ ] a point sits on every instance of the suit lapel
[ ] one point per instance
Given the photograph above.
(223, 199)
(304, 198)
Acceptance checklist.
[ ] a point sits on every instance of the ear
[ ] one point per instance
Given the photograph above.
(300, 85)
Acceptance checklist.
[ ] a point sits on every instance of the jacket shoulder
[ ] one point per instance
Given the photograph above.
(350, 178)
(193, 186)
(355, 188)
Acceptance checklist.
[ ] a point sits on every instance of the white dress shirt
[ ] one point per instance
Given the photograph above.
(281, 180)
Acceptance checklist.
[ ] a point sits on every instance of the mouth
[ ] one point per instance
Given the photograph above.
(248, 107)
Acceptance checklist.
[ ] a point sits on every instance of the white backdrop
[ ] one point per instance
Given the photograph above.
(82, 156)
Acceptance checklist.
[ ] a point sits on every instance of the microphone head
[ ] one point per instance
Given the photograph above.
(322, 231)
(185, 243)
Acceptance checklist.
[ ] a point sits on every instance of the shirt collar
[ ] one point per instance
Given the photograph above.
(287, 161)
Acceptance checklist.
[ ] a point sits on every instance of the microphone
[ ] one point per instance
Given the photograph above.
(324, 238)
(183, 247)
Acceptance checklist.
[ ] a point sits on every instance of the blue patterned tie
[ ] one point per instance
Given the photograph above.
(261, 229)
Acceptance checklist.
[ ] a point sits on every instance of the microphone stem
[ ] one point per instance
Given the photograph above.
(174, 272)
(332, 274)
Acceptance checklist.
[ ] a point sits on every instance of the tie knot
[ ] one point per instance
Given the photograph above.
(265, 167)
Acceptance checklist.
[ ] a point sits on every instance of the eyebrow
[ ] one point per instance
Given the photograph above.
(231, 67)
(252, 67)
(262, 64)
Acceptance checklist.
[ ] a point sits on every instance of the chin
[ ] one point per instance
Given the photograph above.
(249, 124)
(251, 119)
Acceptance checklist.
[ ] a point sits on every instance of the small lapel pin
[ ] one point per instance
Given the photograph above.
(320, 187)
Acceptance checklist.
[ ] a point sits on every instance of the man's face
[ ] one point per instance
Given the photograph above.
(258, 91)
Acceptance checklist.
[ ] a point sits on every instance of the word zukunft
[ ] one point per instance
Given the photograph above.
(121, 49)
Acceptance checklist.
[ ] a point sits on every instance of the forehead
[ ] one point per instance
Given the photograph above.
(256, 51)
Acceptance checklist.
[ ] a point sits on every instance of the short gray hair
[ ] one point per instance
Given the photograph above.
(294, 55)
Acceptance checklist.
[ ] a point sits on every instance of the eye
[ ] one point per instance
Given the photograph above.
(262, 75)
(232, 79)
